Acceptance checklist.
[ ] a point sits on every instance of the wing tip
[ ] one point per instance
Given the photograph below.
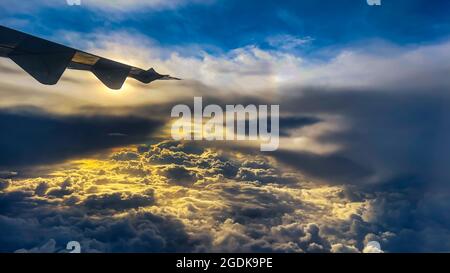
(170, 78)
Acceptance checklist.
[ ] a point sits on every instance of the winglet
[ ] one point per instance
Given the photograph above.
(149, 76)
(170, 78)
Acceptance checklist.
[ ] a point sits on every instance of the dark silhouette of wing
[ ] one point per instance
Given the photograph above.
(46, 61)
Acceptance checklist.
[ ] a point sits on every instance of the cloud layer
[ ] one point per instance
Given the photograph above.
(174, 196)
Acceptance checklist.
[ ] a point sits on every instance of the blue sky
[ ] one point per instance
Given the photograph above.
(223, 25)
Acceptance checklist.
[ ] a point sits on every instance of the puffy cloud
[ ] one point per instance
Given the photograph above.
(118, 201)
(125, 156)
(41, 189)
(178, 175)
(49, 247)
(340, 248)
(372, 247)
(108, 210)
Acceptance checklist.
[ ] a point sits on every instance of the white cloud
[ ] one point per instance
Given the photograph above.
(249, 70)
(383, 67)
(288, 42)
(373, 247)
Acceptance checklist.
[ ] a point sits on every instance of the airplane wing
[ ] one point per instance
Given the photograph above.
(46, 61)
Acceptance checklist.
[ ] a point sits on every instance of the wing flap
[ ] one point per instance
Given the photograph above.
(43, 60)
(111, 73)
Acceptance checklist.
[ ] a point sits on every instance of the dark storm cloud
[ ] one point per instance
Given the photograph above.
(28, 222)
(294, 122)
(395, 147)
(326, 167)
(140, 232)
(18, 202)
(4, 184)
(35, 137)
(393, 133)
(260, 209)
(393, 150)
